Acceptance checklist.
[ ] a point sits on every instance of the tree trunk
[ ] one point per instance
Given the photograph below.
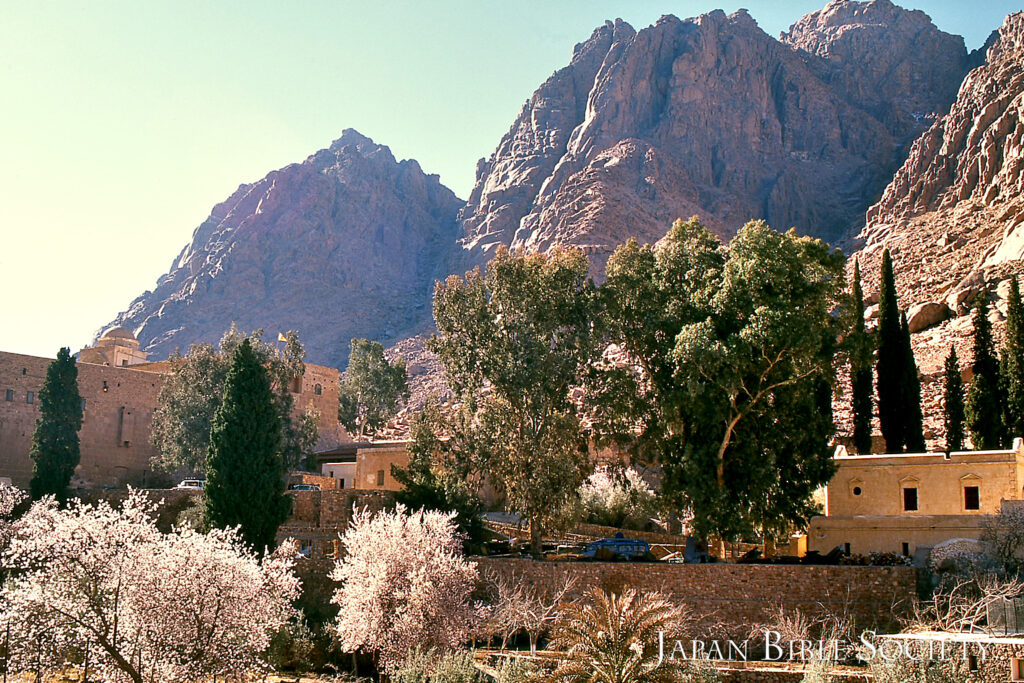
(536, 537)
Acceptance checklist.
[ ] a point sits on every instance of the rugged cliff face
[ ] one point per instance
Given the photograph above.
(707, 116)
(953, 215)
(345, 244)
(713, 116)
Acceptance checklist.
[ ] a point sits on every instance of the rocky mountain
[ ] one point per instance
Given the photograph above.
(345, 244)
(953, 215)
(708, 116)
(712, 116)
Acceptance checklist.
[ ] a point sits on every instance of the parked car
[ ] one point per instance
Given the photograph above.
(191, 484)
(305, 487)
(619, 547)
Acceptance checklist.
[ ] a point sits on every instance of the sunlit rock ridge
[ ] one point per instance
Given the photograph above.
(708, 115)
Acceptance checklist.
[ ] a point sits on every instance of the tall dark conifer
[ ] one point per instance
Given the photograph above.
(54, 449)
(983, 410)
(913, 430)
(245, 466)
(1011, 367)
(861, 375)
(953, 405)
(891, 361)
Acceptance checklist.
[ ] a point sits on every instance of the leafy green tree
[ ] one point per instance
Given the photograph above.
(54, 449)
(246, 471)
(913, 430)
(983, 409)
(891, 366)
(1011, 366)
(372, 388)
(433, 480)
(729, 373)
(862, 357)
(953, 404)
(193, 391)
(514, 342)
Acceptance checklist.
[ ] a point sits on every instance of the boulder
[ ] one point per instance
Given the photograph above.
(922, 316)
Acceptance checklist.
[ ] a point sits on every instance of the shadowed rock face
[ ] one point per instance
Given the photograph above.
(713, 116)
(345, 244)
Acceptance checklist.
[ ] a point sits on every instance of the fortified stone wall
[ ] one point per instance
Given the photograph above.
(736, 594)
(115, 435)
(119, 404)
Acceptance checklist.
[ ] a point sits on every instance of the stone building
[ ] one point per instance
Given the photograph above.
(905, 502)
(119, 390)
(364, 465)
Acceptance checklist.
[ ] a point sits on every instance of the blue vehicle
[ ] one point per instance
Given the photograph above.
(619, 546)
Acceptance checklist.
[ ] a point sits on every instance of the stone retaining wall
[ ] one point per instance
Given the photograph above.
(734, 594)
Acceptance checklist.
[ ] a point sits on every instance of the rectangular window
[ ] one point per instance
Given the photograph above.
(30, 397)
(1017, 669)
(10, 394)
(972, 498)
(906, 550)
(910, 499)
(380, 477)
(846, 548)
(972, 663)
(341, 483)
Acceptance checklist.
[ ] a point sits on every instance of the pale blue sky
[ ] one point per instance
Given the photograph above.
(124, 122)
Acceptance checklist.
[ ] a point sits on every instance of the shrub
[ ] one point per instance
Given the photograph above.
(427, 666)
(618, 498)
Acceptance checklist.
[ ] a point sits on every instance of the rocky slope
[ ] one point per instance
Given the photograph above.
(953, 215)
(712, 116)
(345, 244)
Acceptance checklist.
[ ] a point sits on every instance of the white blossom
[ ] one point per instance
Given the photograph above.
(405, 584)
(143, 604)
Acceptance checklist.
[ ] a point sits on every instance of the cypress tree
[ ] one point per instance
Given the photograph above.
(54, 451)
(983, 409)
(861, 360)
(913, 430)
(953, 406)
(1011, 367)
(245, 465)
(891, 361)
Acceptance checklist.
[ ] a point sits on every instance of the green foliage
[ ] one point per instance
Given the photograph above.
(1011, 366)
(192, 393)
(433, 481)
(613, 638)
(427, 666)
(983, 409)
(523, 333)
(953, 403)
(246, 472)
(892, 358)
(730, 373)
(372, 388)
(862, 360)
(54, 449)
(913, 429)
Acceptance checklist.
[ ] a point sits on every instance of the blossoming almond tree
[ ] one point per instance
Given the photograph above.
(9, 499)
(405, 584)
(105, 586)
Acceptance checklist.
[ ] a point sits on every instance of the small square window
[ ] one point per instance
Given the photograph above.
(30, 397)
(380, 477)
(972, 498)
(910, 499)
(10, 394)
(124, 362)
(1017, 669)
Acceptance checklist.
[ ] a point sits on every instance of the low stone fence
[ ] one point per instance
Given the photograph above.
(736, 594)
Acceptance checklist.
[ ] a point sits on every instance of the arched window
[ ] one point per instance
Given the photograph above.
(318, 390)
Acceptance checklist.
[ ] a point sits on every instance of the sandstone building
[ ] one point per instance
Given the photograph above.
(119, 390)
(905, 502)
